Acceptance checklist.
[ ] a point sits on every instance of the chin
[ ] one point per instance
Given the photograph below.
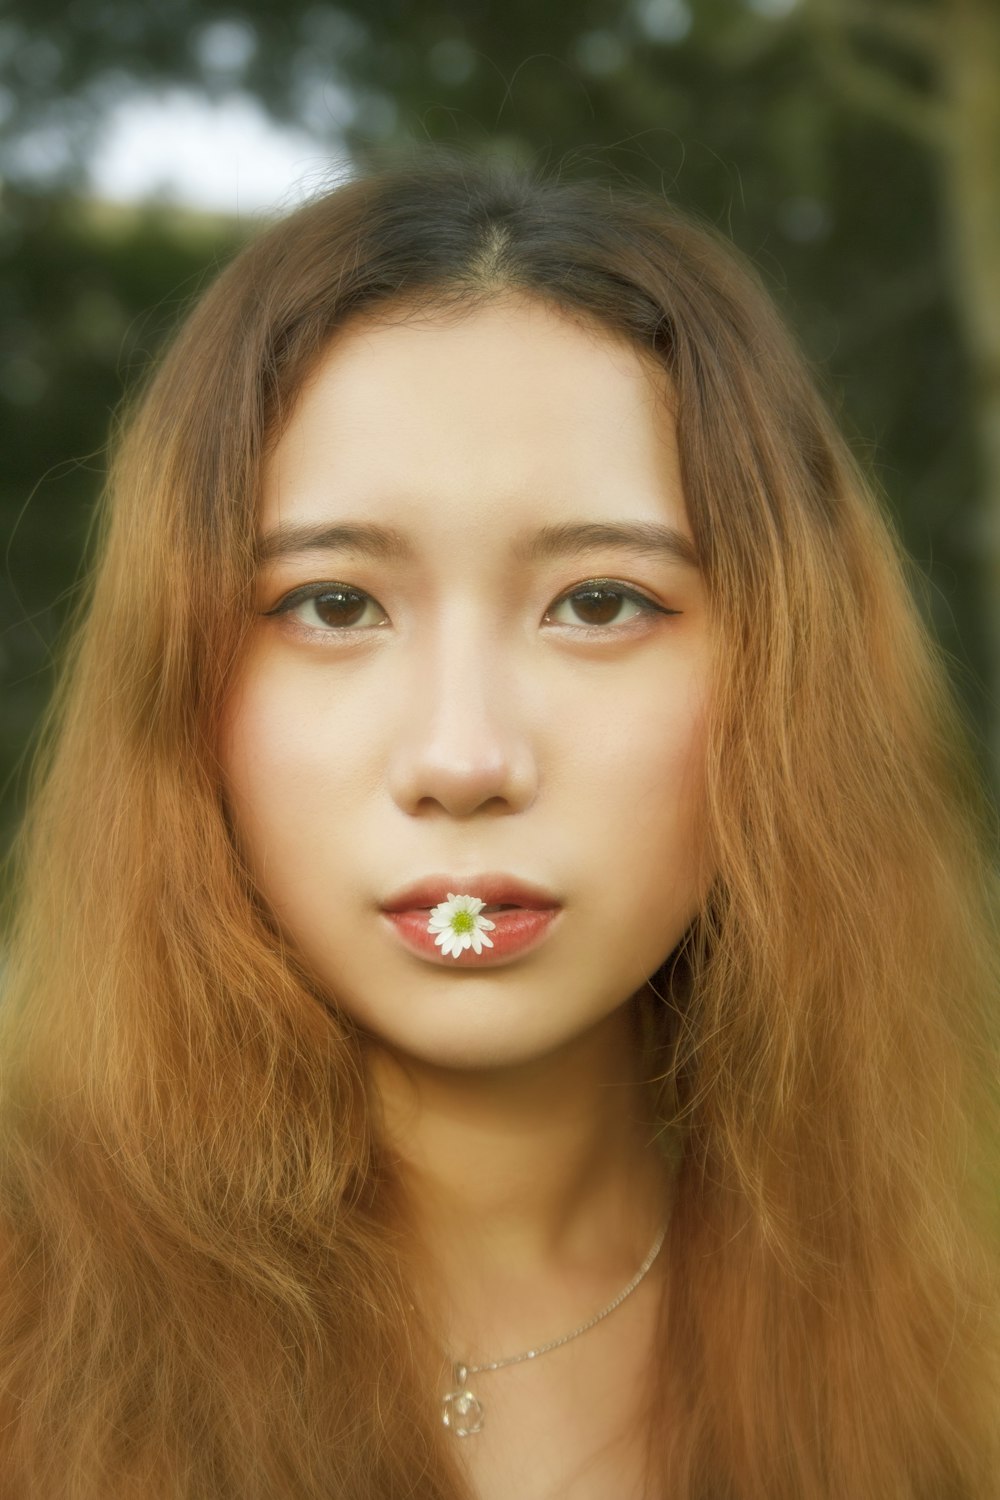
(465, 1054)
(483, 1044)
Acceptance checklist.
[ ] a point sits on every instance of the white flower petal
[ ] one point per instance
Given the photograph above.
(441, 920)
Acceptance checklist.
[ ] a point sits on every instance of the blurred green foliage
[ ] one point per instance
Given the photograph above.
(86, 298)
(726, 106)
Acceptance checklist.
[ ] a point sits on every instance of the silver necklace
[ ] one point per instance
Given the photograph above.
(462, 1411)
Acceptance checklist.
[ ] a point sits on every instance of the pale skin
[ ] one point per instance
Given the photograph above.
(455, 714)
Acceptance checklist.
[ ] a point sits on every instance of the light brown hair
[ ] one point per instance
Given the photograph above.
(201, 1291)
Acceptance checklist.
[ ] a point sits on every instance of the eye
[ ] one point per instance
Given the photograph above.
(331, 604)
(338, 608)
(599, 601)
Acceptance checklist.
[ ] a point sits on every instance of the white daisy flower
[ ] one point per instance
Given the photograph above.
(458, 925)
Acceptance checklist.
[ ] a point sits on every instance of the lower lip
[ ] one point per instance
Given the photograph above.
(514, 932)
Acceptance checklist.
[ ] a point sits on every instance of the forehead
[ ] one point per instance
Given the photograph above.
(513, 405)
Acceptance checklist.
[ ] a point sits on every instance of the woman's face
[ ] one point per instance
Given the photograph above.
(492, 694)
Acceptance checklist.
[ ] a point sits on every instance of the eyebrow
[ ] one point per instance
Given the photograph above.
(562, 539)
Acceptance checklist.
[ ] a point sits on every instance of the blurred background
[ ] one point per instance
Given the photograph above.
(850, 147)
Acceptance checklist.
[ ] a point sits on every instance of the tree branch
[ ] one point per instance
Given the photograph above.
(870, 87)
(919, 32)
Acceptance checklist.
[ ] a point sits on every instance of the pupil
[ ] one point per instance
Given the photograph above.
(599, 605)
(331, 608)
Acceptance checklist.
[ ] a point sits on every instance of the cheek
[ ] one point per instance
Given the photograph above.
(275, 775)
(656, 813)
(651, 731)
(241, 762)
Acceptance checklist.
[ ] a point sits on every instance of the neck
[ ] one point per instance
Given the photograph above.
(516, 1174)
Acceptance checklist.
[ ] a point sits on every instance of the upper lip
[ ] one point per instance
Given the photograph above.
(492, 889)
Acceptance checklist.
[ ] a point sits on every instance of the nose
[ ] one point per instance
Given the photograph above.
(463, 741)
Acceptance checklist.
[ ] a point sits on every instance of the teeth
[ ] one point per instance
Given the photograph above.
(501, 907)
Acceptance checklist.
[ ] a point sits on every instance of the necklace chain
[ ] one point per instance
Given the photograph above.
(461, 1409)
(515, 1359)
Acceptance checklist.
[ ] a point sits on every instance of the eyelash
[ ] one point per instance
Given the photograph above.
(592, 585)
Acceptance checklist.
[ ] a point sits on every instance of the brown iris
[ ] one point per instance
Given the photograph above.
(340, 606)
(597, 606)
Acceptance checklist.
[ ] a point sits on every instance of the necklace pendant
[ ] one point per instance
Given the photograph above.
(461, 1411)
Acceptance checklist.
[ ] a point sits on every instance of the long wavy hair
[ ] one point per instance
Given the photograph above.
(202, 1290)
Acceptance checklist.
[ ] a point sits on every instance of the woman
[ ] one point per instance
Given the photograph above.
(481, 543)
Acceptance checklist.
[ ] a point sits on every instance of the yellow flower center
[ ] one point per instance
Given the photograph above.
(463, 921)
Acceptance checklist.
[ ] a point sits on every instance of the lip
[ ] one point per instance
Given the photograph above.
(514, 932)
(491, 888)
